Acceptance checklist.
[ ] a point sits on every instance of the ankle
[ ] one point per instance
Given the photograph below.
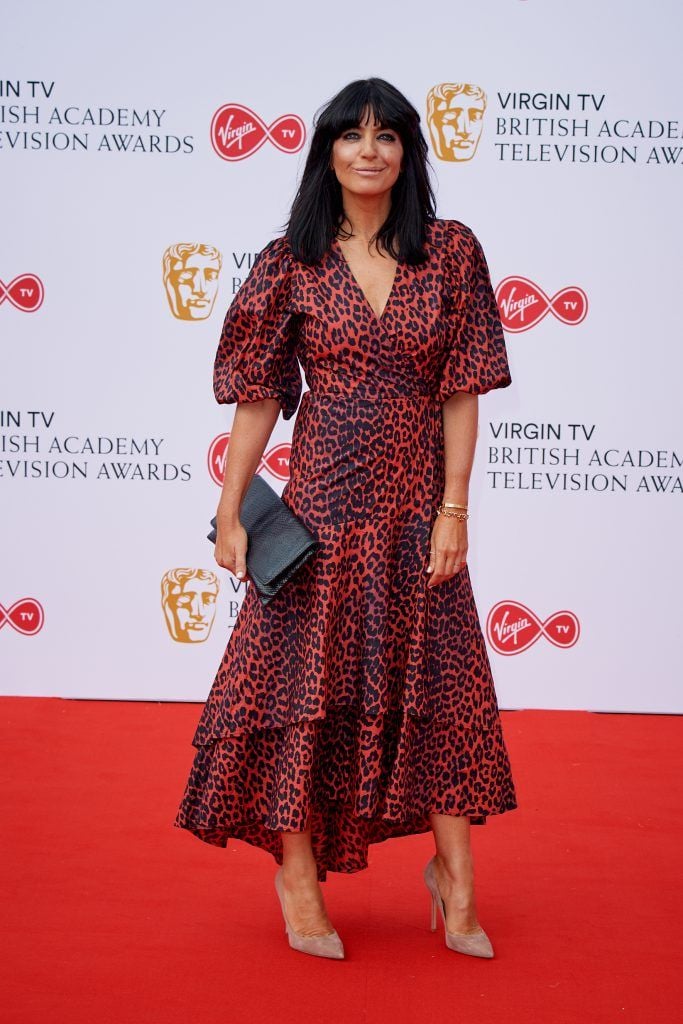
(297, 872)
(456, 882)
(457, 866)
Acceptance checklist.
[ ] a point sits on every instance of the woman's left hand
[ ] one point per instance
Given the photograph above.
(448, 549)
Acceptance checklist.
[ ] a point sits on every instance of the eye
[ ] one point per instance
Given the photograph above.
(388, 136)
(350, 134)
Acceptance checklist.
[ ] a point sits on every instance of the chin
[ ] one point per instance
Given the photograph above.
(369, 187)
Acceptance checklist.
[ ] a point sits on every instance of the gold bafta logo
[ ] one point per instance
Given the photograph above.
(191, 272)
(188, 599)
(455, 114)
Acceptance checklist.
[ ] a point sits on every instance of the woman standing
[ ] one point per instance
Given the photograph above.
(359, 704)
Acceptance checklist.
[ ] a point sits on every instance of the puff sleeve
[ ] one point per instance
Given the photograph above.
(476, 355)
(256, 355)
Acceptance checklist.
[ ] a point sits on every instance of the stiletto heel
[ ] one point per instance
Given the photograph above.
(471, 943)
(329, 945)
(433, 914)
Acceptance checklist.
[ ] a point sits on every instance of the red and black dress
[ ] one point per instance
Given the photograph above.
(359, 699)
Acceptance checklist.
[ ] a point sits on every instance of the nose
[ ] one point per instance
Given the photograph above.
(461, 125)
(367, 148)
(199, 283)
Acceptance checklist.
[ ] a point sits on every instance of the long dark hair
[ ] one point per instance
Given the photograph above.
(317, 210)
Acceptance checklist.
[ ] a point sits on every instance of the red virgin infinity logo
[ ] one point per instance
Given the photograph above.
(26, 616)
(26, 292)
(513, 628)
(237, 132)
(523, 304)
(275, 460)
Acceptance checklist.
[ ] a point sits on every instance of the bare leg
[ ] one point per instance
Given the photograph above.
(304, 903)
(454, 871)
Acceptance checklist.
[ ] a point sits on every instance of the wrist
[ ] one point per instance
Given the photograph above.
(459, 494)
(456, 486)
(228, 514)
(453, 511)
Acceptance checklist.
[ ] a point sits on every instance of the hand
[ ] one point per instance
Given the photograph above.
(448, 549)
(231, 547)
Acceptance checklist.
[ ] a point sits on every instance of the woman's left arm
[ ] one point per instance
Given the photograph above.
(449, 543)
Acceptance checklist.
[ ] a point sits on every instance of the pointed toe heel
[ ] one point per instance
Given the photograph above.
(329, 945)
(470, 943)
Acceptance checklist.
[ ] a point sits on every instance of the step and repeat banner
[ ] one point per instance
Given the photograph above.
(146, 161)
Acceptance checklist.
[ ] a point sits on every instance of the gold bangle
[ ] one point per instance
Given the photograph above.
(452, 504)
(451, 514)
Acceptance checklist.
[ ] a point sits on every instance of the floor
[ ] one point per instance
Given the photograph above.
(112, 915)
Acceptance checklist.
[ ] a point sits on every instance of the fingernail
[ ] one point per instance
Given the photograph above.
(240, 574)
(430, 568)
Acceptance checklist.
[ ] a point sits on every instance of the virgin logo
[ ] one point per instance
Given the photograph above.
(26, 292)
(512, 628)
(237, 132)
(26, 616)
(523, 304)
(275, 460)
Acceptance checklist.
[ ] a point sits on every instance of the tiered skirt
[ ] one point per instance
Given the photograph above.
(358, 702)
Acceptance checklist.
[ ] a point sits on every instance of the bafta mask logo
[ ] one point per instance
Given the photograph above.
(188, 599)
(455, 114)
(191, 272)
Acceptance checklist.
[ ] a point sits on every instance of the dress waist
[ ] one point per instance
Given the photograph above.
(368, 393)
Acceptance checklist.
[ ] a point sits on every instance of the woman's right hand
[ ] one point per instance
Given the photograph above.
(231, 547)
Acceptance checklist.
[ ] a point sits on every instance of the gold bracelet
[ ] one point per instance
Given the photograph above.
(451, 514)
(452, 504)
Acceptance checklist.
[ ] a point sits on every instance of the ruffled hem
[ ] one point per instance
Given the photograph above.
(360, 701)
(355, 779)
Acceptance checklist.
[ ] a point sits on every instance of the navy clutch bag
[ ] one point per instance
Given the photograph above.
(278, 542)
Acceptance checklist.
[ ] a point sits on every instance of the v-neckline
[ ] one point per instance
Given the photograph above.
(358, 288)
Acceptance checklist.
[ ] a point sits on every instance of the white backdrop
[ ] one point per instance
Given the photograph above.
(107, 161)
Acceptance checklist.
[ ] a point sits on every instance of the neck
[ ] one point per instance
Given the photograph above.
(365, 214)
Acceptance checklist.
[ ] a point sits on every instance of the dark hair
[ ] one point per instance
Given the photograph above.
(317, 210)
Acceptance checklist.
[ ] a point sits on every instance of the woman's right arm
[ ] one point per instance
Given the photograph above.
(252, 426)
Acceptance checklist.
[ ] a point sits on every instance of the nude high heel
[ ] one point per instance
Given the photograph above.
(471, 943)
(329, 945)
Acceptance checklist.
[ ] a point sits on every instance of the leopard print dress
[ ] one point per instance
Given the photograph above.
(358, 700)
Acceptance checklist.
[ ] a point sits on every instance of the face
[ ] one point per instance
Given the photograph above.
(367, 159)
(192, 286)
(456, 126)
(190, 610)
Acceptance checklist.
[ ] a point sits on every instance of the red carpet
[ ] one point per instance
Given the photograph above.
(112, 915)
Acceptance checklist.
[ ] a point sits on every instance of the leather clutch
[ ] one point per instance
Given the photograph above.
(278, 542)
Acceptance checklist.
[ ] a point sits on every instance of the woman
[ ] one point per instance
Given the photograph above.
(359, 704)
